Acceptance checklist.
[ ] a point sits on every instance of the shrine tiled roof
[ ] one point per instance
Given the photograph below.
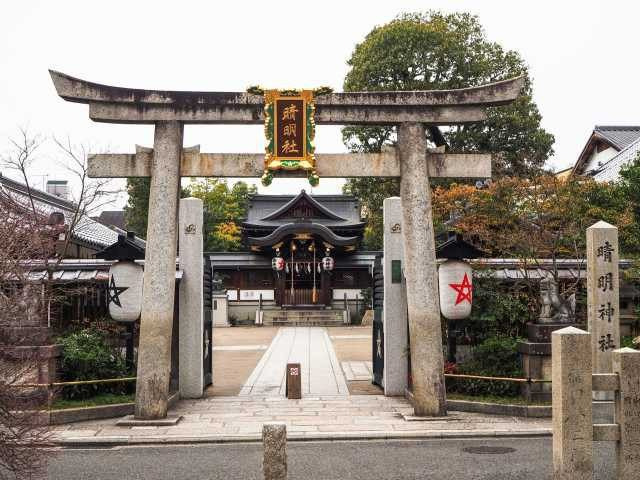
(328, 210)
(619, 136)
(86, 229)
(610, 170)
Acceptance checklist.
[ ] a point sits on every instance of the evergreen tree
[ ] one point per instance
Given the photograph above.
(432, 51)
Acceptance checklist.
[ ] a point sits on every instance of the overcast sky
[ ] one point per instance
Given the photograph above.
(582, 57)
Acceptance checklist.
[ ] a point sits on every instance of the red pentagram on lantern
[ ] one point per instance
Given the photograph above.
(464, 290)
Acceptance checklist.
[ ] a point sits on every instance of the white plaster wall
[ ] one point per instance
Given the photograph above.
(601, 157)
(352, 293)
(255, 295)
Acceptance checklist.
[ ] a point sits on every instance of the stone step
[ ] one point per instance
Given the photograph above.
(303, 317)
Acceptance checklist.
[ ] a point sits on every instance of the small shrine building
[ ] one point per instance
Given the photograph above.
(303, 252)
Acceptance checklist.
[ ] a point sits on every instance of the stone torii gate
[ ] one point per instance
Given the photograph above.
(169, 111)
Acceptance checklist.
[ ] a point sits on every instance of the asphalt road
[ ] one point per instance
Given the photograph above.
(370, 460)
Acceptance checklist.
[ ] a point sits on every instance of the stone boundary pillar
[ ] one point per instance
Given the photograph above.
(274, 460)
(626, 363)
(191, 368)
(603, 297)
(156, 322)
(571, 400)
(423, 302)
(394, 310)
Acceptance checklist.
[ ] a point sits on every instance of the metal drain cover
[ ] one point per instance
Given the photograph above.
(487, 450)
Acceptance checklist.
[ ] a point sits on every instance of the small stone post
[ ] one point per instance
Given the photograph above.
(274, 460)
(395, 372)
(425, 331)
(626, 363)
(571, 400)
(191, 368)
(156, 322)
(603, 297)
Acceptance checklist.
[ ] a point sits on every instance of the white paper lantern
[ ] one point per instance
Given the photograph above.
(277, 263)
(328, 263)
(125, 291)
(455, 280)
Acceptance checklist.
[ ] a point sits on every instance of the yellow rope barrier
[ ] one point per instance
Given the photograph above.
(78, 382)
(497, 379)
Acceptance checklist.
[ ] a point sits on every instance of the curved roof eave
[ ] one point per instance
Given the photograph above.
(333, 226)
(292, 228)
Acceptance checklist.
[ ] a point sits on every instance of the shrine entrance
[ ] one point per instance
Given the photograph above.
(302, 273)
(290, 117)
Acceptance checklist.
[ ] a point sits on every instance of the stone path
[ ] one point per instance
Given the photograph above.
(219, 419)
(358, 371)
(236, 352)
(239, 348)
(309, 346)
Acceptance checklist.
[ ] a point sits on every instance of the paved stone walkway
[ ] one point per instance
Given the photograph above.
(335, 415)
(219, 419)
(357, 371)
(309, 346)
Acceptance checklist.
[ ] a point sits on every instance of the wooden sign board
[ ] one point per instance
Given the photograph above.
(294, 381)
(289, 130)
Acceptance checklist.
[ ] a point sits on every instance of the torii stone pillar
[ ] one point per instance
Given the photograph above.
(425, 331)
(156, 321)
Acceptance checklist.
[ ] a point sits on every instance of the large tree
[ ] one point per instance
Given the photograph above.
(433, 50)
(136, 210)
(224, 210)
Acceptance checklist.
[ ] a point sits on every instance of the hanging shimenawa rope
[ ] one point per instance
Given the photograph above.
(315, 292)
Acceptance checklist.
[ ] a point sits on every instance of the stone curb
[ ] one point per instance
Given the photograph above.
(114, 441)
(99, 412)
(527, 411)
(72, 415)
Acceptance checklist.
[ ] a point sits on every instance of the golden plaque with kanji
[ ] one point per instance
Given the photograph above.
(290, 130)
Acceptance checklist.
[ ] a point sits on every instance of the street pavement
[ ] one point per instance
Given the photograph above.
(438, 459)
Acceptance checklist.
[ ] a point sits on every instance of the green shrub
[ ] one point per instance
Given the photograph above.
(495, 357)
(86, 355)
(627, 341)
(499, 309)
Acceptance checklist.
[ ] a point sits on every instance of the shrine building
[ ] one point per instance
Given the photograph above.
(303, 258)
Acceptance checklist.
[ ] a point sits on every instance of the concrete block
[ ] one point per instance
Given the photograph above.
(220, 304)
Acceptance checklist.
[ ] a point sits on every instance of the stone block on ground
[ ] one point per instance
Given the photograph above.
(274, 460)
(626, 362)
(571, 398)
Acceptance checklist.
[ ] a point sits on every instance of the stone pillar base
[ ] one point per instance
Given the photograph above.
(536, 359)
